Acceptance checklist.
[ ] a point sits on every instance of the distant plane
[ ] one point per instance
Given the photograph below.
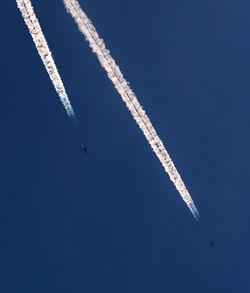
(84, 148)
(212, 243)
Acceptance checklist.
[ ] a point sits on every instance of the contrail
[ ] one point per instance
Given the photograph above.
(35, 30)
(128, 96)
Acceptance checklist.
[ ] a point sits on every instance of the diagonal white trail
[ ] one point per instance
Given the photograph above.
(35, 30)
(128, 96)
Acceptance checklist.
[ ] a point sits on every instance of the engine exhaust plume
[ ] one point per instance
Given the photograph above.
(37, 35)
(97, 44)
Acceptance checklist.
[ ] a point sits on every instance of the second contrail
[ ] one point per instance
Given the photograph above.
(35, 30)
(128, 96)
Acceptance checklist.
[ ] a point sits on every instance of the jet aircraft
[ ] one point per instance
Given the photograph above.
(84, 148)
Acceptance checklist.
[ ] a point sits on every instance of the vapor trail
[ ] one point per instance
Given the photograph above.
(128, 96)
(35, 30)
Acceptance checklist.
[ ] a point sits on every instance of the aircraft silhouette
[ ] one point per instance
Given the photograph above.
(212, 243)
(84, 148)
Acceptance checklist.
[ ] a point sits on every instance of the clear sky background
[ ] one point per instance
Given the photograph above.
(112, 221)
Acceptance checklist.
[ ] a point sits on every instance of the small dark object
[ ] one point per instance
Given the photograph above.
(212, 243)
(84, 148)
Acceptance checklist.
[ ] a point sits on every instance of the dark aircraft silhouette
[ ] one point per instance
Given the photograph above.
(212, 243)
(84, 148)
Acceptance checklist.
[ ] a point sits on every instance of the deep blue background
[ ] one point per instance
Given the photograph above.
(112, 221)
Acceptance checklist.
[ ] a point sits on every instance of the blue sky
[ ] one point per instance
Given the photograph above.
(112, 221)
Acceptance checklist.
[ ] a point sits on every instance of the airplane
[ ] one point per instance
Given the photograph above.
(84, 148)
(212, 243)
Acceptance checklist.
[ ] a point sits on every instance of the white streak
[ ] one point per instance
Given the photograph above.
(35, 30)
(128, 96)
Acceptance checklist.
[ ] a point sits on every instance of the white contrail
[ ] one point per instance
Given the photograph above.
(128, 96)
(35, 30)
